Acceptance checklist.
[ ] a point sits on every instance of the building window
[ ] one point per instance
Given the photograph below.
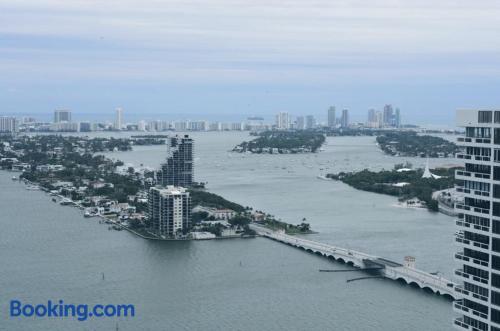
(497, 117)
(495, 262)
(495, 280)
(485, 116)
(496, 209)
(495, 298)
(496, 138)
(480, 168)
(495, 315)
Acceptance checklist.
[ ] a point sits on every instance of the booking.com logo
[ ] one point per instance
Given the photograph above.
(62, 310)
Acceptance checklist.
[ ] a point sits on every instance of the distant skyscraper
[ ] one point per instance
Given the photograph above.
(372, 117)
(283, 121)
(379, 118)
(397, 118)
(119, 119)
(331, 117)
(169, 210)
(310, 122)
(85, 127)
(8, 124)
(300, 123)
(344, 120)
(178, 169)
(62, 115)
(388, 115)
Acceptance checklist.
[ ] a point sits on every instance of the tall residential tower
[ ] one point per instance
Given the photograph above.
(478, 235)
(62, 115)
(169, 210)
(332, 120)
(178, 168)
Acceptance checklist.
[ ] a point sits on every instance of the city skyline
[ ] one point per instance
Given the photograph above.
(88, 57)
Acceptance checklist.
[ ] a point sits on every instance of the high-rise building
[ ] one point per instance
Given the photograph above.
(344, 120)
(178, 169)
(478, 235)
(283, 121)
(8, 124)
(300, 123)
(310, 122)
(119, 119)
(388, 116)
(372, 117)
(62, 115)
(169, 210)
(331, 117)
(85, 127)
(397, 118)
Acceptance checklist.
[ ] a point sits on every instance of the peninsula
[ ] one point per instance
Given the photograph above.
(408, 185)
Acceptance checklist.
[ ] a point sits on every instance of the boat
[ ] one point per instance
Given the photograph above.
(66, 202)
(14, 178)
(54, 199)
(32, 188)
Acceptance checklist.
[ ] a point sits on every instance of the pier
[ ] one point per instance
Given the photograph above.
(383, 267)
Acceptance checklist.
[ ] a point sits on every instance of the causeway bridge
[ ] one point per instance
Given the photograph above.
(371, 263)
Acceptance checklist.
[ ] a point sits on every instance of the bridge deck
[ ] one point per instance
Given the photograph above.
(389, 269)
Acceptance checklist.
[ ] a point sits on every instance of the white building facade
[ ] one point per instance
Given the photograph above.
(8, 124)
(283, 121)
(478, 235)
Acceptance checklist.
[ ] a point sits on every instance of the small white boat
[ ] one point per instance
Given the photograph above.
(32, 188)
(66, 202)
(14, 178)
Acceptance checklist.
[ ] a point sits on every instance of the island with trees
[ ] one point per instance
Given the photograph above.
(283, 142)
(406, 184)
(411, 144)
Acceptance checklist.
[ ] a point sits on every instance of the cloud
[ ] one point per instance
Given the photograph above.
(285, 43)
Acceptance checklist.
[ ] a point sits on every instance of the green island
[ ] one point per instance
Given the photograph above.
(70, 169)
(410, 144)
(402, 182)
(283, 142)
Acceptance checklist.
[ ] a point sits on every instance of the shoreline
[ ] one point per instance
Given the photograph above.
(107, 220)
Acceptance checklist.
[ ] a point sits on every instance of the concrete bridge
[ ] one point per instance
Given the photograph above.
(383, 267)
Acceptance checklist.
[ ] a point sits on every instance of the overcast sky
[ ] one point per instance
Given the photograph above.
(236, 58)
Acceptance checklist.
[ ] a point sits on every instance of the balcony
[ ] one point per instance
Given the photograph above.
(464, 139)
(460, 239)
(462, 173)
(482, 158)
(461, 256)
(468, 140)
(464, 156)
(464, 190)
(468, 225)
(460, 289)
(459, 307)
(465, 276)
(459, 324)
(474, 209)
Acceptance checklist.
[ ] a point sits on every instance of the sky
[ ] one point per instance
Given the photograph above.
(234, 58)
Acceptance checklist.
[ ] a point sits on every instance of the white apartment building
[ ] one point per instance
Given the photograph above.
(62, 115)
(283, 121)
(8, 124)
(478, 235)
(169, 210)
(119, 119)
